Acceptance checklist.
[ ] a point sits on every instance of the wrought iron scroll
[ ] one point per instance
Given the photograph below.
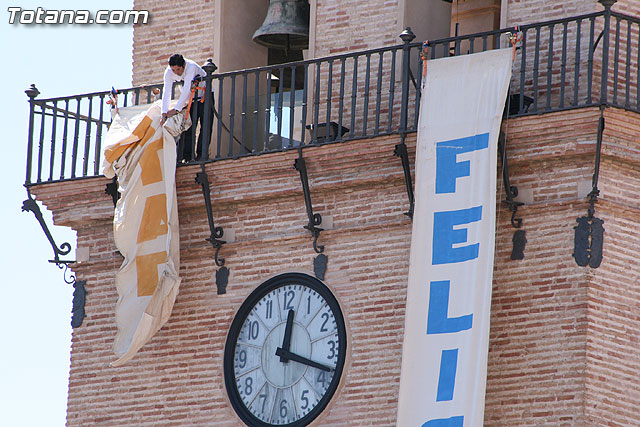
(589, 233)
(216, 232)
(519, 239)
(222, 274)
(314, 219)
(510, 190)
(401, 151)
(79, 294)
(31, 205)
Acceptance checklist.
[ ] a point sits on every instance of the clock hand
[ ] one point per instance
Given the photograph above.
(286, 342)
(300, 359)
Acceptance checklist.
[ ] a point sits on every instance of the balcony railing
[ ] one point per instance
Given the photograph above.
(582, 61)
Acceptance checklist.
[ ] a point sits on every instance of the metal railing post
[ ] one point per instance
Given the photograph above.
(207, 118)
(401, 149)
(605, 50)
(32, 92)
(407, 37)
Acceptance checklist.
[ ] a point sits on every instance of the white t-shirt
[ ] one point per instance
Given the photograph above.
(191, 69)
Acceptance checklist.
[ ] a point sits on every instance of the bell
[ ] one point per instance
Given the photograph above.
(286, 25)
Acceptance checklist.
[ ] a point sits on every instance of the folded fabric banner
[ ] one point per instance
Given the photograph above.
(446, 335)
(142, 153)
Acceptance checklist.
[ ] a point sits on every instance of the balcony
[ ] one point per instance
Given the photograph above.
(577, 62)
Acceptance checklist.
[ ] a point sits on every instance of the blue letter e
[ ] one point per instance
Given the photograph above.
(444, 236)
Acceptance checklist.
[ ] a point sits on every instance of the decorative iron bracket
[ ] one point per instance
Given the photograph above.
(68, 275)
(79, 294)
(519, 238)
(510, 190)
(314, 219)
(216, 232)
(401, 151)
(593, 195)
(31, 205)
(589, 233)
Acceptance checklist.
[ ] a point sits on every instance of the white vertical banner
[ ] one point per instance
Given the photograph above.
(446, 335)
(142, 153)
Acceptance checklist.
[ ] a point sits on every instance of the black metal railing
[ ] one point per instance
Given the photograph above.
(562, 64)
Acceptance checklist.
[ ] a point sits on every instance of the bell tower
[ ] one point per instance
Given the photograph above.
(331, 210)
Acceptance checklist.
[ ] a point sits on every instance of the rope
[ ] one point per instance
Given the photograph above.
(194, 88)
(423, 55)
(514, 39)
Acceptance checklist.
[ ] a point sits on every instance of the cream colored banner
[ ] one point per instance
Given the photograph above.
(142, 153)
(446, 335)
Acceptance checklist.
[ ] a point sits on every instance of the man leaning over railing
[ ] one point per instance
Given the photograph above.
(186, 71)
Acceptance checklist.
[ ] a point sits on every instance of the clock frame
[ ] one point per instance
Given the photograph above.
(297, 368)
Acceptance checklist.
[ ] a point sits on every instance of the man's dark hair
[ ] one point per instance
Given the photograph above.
(176, 59)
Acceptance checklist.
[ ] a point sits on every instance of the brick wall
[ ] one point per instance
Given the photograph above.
(177, 378)
(562, 347)
(525, 11)
(347, 26)
(185, 27)
(563, 339)
(630, 7)
(613, 358)
(539, 311)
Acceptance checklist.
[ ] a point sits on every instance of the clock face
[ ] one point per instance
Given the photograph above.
(285, 352)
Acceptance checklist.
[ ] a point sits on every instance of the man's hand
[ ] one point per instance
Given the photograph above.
(168, 114)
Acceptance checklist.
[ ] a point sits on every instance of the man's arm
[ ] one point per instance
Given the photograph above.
(166, 91)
